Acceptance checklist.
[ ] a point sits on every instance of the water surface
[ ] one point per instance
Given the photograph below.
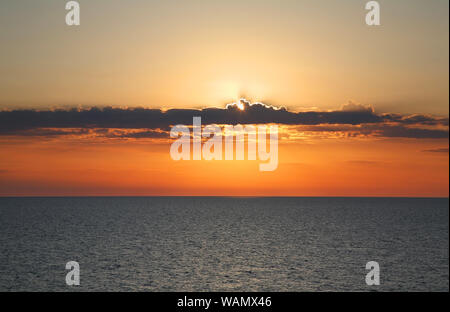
(223, 244)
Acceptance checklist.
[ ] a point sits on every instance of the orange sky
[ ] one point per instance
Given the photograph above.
(310, 166)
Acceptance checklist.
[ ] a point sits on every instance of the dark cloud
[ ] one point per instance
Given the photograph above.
(381, 130)
(443, 150)
(416, 119)
(51, 132)
(405, 132)
(145, 134)
(55, 122)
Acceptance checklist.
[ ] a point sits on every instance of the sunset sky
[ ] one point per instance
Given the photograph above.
(87, 110)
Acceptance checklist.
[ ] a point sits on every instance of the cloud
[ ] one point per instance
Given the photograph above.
(51, 132)
(355, 107)
(31, 122)
(443, 150)
(405, 132)
(380, 130)
(140, 134)
(416, 119)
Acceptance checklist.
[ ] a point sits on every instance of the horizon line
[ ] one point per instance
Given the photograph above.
(214, 196)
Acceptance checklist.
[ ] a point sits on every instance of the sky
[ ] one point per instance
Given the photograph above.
(379, 96)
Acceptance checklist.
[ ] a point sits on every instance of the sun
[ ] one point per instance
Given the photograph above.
(241, 104)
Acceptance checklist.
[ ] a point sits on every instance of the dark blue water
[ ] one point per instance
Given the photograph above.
(224, 244)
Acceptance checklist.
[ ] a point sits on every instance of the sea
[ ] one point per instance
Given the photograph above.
(165, 244)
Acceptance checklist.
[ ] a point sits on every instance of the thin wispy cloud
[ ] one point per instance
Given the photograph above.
(443, 150)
